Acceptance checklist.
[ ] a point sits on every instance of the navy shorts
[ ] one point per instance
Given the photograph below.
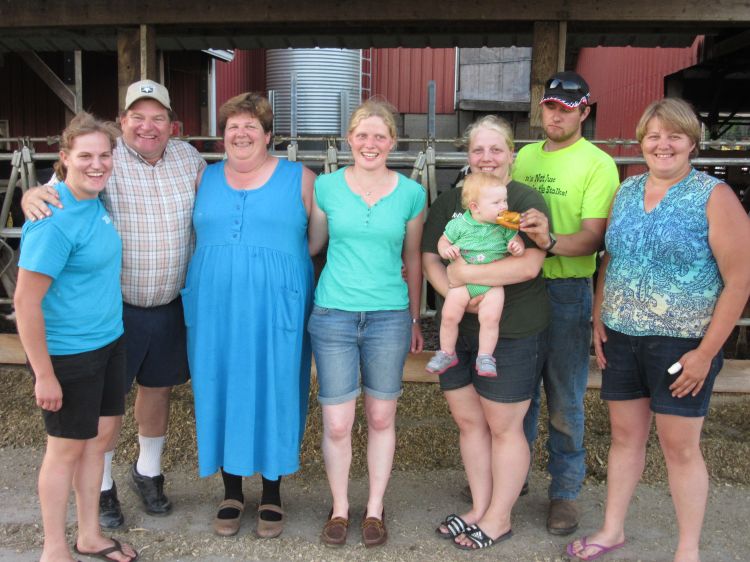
(637, 368)
(157, 345)
(93, 385)
(519, 362)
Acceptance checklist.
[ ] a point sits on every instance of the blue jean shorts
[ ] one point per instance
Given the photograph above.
(346, 343)
(519, 361)
(637, 368)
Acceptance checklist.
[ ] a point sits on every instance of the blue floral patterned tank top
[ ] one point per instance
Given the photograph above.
(662, 277)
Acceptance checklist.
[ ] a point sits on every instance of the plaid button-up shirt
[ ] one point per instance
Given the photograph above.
(152, 208)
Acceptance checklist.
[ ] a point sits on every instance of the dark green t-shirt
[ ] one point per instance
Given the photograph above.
(526, 309)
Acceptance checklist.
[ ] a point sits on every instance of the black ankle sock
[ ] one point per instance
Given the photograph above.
(232, 491)
(271, 494)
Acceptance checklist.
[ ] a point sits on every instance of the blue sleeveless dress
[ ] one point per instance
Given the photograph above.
(247, 297)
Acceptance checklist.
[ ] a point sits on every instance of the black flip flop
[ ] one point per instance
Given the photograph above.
(102, 554)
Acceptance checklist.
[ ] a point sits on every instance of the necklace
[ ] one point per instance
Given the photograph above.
(357, 187)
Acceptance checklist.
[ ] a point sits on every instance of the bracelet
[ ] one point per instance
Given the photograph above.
(415, 320)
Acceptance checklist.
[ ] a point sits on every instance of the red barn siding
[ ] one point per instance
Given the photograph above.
(30, 107)
(99, 73)
(624, 80)
(185, 70)
(246, 73)
(401, 76)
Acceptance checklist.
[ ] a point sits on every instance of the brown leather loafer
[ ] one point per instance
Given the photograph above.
(563, 517)
(374, 532)
(228, 527)
(269, 529)
(335, 530)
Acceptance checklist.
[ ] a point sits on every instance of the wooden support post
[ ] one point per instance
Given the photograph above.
(547, 57)
(55, 83)
(136, 57)
(74, 82)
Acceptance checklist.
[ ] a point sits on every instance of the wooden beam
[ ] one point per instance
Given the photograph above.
(55, 83)
(136, 58)
(562, 43)
(147, 47)
(128, 61)
(545, 57)
(123, 13)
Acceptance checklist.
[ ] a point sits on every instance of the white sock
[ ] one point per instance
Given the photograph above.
(107, 481)
(149, 458)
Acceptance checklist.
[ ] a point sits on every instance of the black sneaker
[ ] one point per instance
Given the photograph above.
(151, 491)
(110, 514)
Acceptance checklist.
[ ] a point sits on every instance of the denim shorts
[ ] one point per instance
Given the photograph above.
(93, 385)
(346, 343)
(637, 368)
(157, 345)
(519, 362)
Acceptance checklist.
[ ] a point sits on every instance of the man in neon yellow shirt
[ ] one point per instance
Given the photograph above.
(578, 182)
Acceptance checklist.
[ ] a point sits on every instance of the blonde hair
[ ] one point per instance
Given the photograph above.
(493, 123)
(83, 124)
(375, 107)
(675, 114)
(251, 103)
(474, 184)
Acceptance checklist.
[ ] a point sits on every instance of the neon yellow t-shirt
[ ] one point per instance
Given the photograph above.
(577, 182)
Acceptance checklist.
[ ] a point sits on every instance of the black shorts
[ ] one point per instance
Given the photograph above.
(519, 363)
(93, 385)
(637, 368)
(157, 345)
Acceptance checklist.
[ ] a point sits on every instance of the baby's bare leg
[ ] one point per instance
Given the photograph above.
(453, 310)
(490, 310)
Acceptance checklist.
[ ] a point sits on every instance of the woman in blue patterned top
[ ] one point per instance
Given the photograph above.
(672, 285)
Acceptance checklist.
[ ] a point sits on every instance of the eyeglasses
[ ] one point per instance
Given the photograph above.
(566, 86)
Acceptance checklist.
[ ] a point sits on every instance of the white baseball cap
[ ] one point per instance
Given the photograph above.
(147, 89)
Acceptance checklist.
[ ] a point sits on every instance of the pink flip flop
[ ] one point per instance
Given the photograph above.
(601, 549)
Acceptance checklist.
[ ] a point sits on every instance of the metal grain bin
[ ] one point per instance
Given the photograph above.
(322, 75)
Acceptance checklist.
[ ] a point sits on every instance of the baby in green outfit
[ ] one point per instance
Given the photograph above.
(476, 237)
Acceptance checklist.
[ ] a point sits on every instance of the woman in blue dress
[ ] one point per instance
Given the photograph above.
(246, 299)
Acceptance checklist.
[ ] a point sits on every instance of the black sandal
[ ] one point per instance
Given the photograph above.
(105, 552)
(480, 538)
(455, 526)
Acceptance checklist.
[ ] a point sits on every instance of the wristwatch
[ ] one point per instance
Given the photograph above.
(552, 242)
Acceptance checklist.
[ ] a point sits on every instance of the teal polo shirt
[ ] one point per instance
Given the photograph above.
(363, 267)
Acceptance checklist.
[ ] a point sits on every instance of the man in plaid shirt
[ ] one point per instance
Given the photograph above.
(150, 197)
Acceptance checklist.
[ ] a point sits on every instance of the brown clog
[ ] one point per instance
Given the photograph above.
(269, 529)
(374, 532)
(335, 530)
(228, 527)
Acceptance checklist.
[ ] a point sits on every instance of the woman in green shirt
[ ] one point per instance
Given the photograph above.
(489, 411)
(366, 315)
